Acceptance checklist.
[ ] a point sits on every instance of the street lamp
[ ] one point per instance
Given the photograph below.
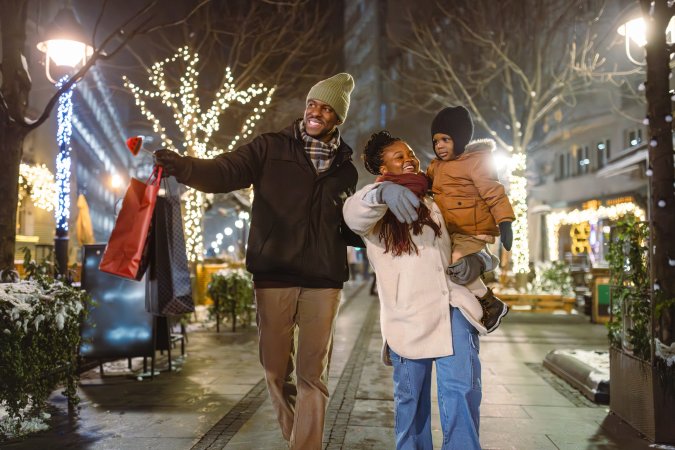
(656, 37)
(501, 161)
(658, 28)
(115, 183)
(635, 30)
(64, 46)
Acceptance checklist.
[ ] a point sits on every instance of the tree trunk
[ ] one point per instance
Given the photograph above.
(662, 214)
(13, 104)
(11, 145)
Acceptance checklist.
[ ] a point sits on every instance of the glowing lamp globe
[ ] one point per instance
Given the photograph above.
(65, 44)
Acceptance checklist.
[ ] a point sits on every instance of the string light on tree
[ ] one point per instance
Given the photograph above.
(513, 165)
(63, 134)
(518, 197)
(195, 125)
(38, 183)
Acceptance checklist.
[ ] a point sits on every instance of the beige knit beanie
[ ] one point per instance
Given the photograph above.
(334, 91)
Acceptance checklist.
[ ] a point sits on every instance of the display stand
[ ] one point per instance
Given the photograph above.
(118, 326)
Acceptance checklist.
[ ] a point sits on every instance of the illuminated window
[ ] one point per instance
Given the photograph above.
(583, 160)
(633, 137)
(602, 153)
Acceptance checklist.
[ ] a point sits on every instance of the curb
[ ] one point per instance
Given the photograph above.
(571, 366)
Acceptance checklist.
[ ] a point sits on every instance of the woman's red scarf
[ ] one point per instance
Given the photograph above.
(396, 235)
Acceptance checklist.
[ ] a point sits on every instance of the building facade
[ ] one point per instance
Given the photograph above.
(588, 171)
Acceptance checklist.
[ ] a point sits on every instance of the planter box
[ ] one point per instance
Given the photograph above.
(589, 375)
(638, 397)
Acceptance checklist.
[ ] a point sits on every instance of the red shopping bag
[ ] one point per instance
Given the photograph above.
(124, 254)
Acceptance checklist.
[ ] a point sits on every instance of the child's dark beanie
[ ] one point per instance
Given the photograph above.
(455, 121)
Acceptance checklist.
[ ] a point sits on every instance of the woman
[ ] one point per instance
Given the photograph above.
(420, 308)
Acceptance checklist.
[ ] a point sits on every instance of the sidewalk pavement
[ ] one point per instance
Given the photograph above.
(217, 399)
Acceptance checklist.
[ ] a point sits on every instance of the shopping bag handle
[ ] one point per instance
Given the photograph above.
(167, 187)
(157, 174)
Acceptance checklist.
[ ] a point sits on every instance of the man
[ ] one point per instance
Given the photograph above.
(296, 249)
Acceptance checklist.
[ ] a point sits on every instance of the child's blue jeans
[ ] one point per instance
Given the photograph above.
(459, 393)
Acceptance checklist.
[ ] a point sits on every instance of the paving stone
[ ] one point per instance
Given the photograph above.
(502, 440)
(565, 413)
(372, 413)
(376, 382)
(369, 438)
(510, 411)
(543, 397)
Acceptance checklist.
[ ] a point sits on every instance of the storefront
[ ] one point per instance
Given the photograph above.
(584, 232)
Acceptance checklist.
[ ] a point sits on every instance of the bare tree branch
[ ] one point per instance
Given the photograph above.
(177, 22)
(510, 62)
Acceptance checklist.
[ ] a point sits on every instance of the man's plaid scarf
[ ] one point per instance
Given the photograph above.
(321, 153)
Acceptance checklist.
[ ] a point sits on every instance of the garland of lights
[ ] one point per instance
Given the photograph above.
(63, 134)
(195, 125)
(240, 223)
(556, 219)
(38, 182)
(518, 197)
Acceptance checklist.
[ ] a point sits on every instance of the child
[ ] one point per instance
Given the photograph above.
(420, 309)
(474, 205)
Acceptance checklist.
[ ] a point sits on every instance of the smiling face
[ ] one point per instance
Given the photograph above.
(320, 120)
(444, 146)
(398, 158)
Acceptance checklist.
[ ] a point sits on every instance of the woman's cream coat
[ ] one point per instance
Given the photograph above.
(414, 290)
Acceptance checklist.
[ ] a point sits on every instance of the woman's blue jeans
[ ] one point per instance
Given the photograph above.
(459, 393)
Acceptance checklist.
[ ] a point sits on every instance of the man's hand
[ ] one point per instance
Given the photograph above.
(506, 233)
(400, 200)
(172, 163)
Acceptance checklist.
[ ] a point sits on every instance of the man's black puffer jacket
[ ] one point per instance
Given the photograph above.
(297, 236)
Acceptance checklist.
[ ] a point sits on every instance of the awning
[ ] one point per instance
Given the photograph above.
(83, 228)
(623, 165)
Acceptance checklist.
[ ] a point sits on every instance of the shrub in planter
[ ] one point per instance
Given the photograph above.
(554, 278)
(40, 320)
(232, 293)
(630, 327)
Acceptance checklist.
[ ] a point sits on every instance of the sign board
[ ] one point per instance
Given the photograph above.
(601, 300)
(118, 325)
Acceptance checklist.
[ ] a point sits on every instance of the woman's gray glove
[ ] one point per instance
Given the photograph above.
(400, 200)
(506, 235)
(173, 164)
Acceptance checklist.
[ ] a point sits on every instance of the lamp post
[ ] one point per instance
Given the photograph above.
(650, 414)
(65, 50)
(650, 32)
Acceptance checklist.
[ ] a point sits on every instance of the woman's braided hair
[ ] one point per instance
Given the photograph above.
(372, 152)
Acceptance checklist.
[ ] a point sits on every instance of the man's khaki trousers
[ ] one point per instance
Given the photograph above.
(300, 404)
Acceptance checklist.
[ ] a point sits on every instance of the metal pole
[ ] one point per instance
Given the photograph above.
(62, 216)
